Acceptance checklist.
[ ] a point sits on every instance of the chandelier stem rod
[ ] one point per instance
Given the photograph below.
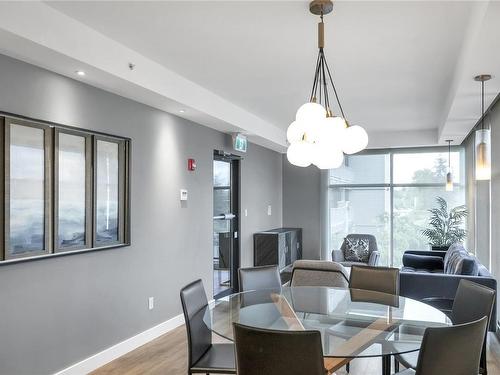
(482, 105)
(327, 99)
(320, 82)
(321, 34)
(334, 90)
(315, 82)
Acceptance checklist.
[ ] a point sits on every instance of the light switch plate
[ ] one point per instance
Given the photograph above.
(151, 303)
(184, 195)
(269, 210)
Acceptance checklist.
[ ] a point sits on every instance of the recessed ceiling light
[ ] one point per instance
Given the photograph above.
(81, 73)
(182, 110)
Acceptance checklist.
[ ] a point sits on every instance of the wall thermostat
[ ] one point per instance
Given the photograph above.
(184, 195)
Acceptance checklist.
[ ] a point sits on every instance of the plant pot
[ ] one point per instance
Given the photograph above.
(439, 248)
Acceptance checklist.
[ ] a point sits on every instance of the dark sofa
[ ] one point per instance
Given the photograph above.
(433, 276)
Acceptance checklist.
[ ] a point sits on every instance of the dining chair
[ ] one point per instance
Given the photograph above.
(377, 279)
(203, 356)
(451, 350)
(256, 278)
(273, 352)
(472, 302)
(319, 273)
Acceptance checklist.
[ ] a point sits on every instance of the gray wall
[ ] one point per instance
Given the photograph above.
(302, 205)
(55, 312)
(470, 192)
(494, 119)
(478, 202)
(485, 195)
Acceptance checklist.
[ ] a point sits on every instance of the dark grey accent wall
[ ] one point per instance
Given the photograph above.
(494, 120)
(302, 205)
(484, 198)
(470, 192)
(56, 312)
(478, 203)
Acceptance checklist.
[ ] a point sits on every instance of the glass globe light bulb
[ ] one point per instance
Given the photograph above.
(310, 113)
(356, 139)
(326, 156)
(295, 132)
(332, 131)
(300, 154)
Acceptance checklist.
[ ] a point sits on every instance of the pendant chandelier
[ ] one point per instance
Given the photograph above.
(483, 139)
(449, 176)
(317, 136)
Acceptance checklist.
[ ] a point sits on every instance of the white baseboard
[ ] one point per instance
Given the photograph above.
(100, 359)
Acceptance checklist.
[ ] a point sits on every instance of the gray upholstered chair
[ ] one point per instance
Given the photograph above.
(472, 302)
(273, 352)
(451, 350)
(319, 273)
(377, 279)
(256, 278)
(339, 256)
(203, 356)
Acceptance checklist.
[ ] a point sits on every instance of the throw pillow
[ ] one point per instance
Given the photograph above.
(451, 256)
(357, 250)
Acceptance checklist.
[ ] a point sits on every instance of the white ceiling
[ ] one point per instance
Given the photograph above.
(403, 69)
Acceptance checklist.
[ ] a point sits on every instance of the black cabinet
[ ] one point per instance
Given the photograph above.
(281, 247)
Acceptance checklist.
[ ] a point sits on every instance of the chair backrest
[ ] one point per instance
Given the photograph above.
(194, 304)
(472, 302)
(257, 278)
(319, 273)
(272, 352)
(372, 241)
(378, 279)
(452, 350)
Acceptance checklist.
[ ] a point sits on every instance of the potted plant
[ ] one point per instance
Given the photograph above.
(445, 227)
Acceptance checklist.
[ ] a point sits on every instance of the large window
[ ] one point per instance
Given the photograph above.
(53, 202)
(388, 194)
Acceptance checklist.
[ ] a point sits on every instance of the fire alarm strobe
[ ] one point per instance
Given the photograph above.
(191, 164)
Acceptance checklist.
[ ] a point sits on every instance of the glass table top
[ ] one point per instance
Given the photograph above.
(352, 322)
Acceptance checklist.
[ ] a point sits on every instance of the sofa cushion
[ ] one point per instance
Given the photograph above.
(421, 270)
(357, 249)
(423, 261)
(450, 258)
(458, 262)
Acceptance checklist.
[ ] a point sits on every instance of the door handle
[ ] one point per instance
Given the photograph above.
(224, 217)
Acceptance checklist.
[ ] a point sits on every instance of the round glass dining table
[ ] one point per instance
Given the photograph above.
(353, 323)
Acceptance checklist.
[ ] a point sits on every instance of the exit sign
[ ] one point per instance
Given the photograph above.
(240, 142)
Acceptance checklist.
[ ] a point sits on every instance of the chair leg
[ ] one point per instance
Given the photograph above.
(386, 365)
(483, 362)
(396, 365)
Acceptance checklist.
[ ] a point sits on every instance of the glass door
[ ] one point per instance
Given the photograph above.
(225, 223)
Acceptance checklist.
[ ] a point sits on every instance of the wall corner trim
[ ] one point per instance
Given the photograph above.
(107, 355)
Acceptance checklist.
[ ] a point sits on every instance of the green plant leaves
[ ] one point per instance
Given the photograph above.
(446, 227)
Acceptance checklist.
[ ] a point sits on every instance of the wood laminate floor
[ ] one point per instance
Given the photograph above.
(167, 355)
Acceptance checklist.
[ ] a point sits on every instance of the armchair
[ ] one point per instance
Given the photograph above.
(339, 255)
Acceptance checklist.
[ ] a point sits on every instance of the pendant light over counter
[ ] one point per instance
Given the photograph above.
(483, 139)
(449, 176)
(317, 136)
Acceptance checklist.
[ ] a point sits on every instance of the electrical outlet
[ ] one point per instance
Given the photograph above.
(151, 303)
(246, 212)
(269, 210)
